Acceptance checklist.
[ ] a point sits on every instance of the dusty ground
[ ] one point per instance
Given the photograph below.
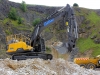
(42, 67)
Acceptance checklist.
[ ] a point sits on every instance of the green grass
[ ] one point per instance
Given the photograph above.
(47, 30)
(6, 20)
(94, 23)
(94, 18)
(23, 28)
(85, 44)
(8, 32)
(15, 24)
(82, 12)
(96, 51)
(61, 31)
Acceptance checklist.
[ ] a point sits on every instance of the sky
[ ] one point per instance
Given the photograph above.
(91, 4)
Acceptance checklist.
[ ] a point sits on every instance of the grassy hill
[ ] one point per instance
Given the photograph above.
(89, 31)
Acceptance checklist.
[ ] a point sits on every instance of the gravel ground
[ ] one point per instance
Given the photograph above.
(42, 67)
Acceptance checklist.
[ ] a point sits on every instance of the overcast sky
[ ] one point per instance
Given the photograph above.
(91, 4)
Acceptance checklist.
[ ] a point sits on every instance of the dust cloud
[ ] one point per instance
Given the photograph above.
(42, 67)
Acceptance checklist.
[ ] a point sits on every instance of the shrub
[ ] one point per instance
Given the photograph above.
(20, 20)
(36, 21)
(48, 50)
(23, 6)
(76, 5)
(12, 14)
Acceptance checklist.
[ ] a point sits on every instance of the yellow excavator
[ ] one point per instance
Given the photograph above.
(22, 47)
(19, 43)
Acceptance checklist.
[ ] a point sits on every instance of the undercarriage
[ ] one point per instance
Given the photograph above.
(31, 55)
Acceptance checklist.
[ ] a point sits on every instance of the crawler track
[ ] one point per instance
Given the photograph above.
(31, 55)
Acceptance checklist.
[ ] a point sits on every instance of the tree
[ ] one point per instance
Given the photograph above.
(20, 20)
(23, 6)
(76, 5)
(36, 21)
(12, 14)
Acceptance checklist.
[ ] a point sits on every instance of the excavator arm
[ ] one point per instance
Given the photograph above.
(65, 13)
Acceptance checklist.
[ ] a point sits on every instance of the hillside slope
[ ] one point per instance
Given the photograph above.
(87, 19)
(89, 34)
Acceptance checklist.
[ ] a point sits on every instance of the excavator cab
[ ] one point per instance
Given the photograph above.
(18, 43)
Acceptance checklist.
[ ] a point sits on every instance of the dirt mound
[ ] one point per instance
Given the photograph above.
(42, 67)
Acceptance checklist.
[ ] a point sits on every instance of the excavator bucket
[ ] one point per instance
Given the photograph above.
(62, 48)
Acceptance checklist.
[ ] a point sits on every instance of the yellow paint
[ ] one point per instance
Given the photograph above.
(14, 46)
(66, 23)
(86, 61)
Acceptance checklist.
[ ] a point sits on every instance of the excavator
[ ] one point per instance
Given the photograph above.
(21, 47)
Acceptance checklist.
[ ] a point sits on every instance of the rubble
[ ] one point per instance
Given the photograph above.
(42, 67)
